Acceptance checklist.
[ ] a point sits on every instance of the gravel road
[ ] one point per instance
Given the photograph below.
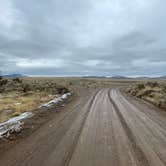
(106, 129)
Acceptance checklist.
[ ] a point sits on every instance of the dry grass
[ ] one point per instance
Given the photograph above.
(21, 95)
(14, 104)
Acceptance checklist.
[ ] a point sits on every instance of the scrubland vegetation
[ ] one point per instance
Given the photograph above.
(154, 92)
(21, 95)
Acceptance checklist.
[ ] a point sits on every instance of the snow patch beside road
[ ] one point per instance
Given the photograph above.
(14, 124)
(56, 100)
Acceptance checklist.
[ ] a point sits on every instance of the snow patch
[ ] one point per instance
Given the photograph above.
(56, 100)
(14, 124)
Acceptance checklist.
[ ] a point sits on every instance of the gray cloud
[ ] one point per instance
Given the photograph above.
(77, 37)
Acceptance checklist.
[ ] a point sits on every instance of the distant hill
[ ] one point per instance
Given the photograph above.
(14, 75)
(113, 77)
(120, 77)
(93, 76)
(142, 78)
(125, 77)
(162, 77)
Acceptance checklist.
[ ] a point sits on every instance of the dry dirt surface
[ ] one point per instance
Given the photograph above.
(105, 129)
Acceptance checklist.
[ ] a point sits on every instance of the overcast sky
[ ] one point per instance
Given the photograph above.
(83, 37)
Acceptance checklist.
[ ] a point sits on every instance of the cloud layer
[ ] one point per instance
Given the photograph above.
(90, 37)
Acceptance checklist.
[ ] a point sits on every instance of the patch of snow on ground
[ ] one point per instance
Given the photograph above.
(56, 100)
(14, 124)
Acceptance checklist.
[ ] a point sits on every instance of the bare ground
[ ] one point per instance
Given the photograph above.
(101, 128)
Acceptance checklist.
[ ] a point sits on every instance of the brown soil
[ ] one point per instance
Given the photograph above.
(97, 128)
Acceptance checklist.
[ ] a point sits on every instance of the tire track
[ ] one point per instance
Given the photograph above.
(94, 147)
(151, 135)
(141, 157)
(75, 142)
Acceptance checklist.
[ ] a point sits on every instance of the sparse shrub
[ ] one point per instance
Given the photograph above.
(145, 92)
(152, 84)
(164, 88)
(18, 80)
(140, 86)
(133, 92)
(3, 82)
(62, 90)
(26, 87)
(70, 83)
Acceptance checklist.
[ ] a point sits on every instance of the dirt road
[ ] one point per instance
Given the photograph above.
(107, 129)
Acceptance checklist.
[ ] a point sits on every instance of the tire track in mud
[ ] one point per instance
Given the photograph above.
(75, 142)
(152, 134)
(139, 154)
